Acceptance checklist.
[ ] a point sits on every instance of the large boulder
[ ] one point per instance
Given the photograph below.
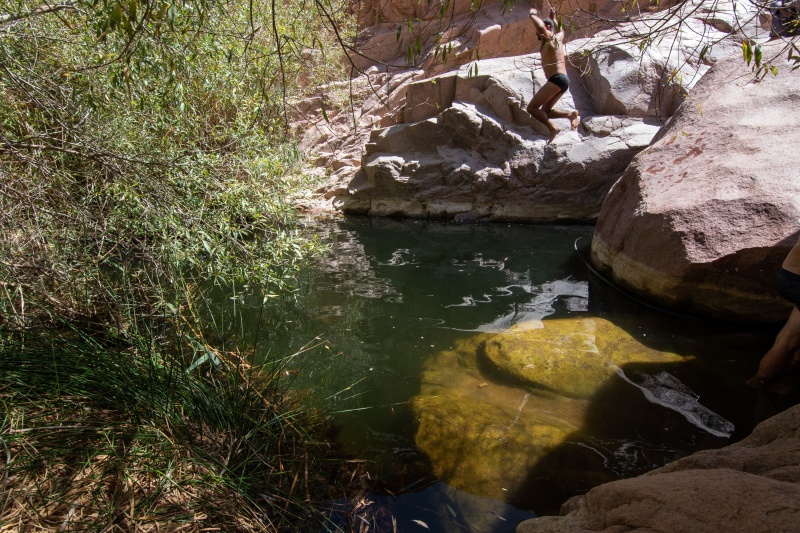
(752, 486)
(471, 152)
(628, 70)
(701, 220)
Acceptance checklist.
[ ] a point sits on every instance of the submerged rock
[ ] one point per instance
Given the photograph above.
(483, 436)
(571, 357)
(492, 426)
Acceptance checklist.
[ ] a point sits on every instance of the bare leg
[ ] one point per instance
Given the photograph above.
(777, 358)
(541, 103)
(541, 116)
(549, 108)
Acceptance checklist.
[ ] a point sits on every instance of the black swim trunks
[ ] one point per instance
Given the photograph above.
(561, 80)
(789, 286)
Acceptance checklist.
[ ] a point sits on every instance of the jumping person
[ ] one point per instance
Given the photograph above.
(783, 351)
(555, 68)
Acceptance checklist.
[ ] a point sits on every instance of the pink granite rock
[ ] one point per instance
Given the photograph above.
(701, 220)
(752, 486)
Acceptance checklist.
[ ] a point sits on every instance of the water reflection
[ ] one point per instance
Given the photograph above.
(573, 294)
(405, 309)
(666, 390)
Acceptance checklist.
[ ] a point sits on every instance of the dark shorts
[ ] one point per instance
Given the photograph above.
(561, 81)
(789, 286)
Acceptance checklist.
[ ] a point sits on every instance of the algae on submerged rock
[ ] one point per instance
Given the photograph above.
(486, 420)
(480, 435)
(572, 357)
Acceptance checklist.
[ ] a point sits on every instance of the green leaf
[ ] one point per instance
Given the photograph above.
(747, 52)
(757, 54)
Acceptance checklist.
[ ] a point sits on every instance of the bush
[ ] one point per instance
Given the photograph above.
(143, 159)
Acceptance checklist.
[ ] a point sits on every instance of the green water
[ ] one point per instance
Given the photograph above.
(391, 296)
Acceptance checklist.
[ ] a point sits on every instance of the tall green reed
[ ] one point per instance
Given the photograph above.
(99, 433)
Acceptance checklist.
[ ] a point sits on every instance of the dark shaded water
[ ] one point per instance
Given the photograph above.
(390, 295)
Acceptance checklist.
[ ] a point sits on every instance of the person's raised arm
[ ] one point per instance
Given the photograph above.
(555, 31)
(541, 29)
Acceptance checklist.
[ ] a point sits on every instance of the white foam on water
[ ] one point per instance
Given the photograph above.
(666, 390)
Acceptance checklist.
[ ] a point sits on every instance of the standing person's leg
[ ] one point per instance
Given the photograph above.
(542, 97)
(777, 358)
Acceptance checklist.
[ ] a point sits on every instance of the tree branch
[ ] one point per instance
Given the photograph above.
(43, 10)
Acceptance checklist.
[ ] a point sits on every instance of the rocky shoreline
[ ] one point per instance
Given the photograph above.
(751, 486)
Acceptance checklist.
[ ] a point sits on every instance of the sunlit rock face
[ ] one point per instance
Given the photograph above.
(468, 151)
(628, 89)
(571, 357)
(495, 407)
(493, 28)
(701, 220)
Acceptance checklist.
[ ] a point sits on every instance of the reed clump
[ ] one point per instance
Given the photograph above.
(106, 438)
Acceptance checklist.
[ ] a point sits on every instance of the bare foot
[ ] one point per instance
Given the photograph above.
(574, 119)
(769, 385)
(553, 133)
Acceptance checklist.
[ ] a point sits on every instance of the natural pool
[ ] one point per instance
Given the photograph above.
(486, 374)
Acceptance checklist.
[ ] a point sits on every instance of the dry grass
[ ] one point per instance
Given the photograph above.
(104, 474)
(177, 452)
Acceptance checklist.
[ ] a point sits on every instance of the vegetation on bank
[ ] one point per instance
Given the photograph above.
(144, 159)
(96, 437)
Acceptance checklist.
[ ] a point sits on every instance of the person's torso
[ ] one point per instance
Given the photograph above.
(552, 52)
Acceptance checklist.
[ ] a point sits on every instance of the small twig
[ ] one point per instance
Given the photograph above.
(38, 11)
(54, 428)
(69, 516)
